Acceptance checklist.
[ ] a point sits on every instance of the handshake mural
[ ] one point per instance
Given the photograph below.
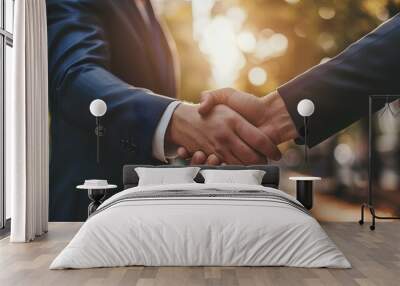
(232, 127)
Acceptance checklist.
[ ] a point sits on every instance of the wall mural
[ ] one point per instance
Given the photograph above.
(129, 70)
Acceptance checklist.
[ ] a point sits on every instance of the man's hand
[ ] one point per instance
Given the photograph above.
(268, 113)
(222, 133)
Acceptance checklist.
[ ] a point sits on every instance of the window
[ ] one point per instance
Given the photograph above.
(6, 44)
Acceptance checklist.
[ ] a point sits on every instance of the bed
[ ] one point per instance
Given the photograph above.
(198, 224)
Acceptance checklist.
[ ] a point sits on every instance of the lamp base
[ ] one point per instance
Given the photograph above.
(304, 193)
(304, 190)
(96, 197)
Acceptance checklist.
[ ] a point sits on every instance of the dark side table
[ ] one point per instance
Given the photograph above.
(304, 190)
(96, 195)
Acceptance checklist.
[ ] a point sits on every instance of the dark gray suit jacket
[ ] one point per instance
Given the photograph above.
(340, 88)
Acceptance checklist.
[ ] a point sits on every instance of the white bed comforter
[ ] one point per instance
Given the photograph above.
(183, 231)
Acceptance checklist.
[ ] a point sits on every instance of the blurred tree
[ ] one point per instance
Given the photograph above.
(315, 29)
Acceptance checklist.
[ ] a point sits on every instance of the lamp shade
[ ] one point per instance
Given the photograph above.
(305, 107)
(98, 107)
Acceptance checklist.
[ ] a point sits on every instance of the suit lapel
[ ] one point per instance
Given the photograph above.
(147, 34)
(131, 20)
(163, 49)
(154, 46)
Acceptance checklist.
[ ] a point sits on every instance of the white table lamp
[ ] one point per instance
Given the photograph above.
(305, 108)
(98, 108)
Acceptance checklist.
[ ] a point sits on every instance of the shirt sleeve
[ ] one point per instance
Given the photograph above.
(162, 151)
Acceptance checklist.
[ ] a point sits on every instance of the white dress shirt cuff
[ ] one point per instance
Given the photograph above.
(162, 151)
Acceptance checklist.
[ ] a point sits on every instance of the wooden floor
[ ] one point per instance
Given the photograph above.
(375, 257)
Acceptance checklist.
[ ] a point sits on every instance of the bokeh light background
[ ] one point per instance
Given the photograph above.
(258, 45)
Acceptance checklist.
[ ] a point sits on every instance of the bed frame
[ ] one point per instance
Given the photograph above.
(270, 179)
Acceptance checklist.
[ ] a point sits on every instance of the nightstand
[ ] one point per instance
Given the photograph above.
(97, 190)
(304, 190)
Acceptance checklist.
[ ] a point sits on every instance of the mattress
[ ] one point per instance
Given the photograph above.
(201, 225)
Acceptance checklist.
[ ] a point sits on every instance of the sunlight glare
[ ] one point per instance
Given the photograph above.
(246, 42)
(292, 1)
(327, 42)
(326, 13)
(278, 43)
(343, 154)
(237, 16)
(219, 44)
(257, 76)
(325, 60)
(272, 46)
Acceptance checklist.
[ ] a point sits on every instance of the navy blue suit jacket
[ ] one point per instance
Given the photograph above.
(340, 88)
(102, 49)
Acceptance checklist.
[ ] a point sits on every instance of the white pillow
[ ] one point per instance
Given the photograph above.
(247, 177)
(165, 176)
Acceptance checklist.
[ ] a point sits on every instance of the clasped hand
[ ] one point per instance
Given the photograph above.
(231, 127)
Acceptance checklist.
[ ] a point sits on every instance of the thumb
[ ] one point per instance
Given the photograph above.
(206, 102)
(209, 99)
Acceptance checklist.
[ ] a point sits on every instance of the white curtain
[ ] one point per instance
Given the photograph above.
(27, 139)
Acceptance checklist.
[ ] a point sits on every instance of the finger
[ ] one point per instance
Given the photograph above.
(231, 159)
(219, 94)
(246, 154)
(248, 105)
(183, 153)
(199, 158)
(213, 160)
(225, 154)
(222, 146)
(209, 99)
(207, 103)
(257, 140)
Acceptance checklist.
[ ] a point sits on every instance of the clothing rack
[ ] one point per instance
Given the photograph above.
(369, 205)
